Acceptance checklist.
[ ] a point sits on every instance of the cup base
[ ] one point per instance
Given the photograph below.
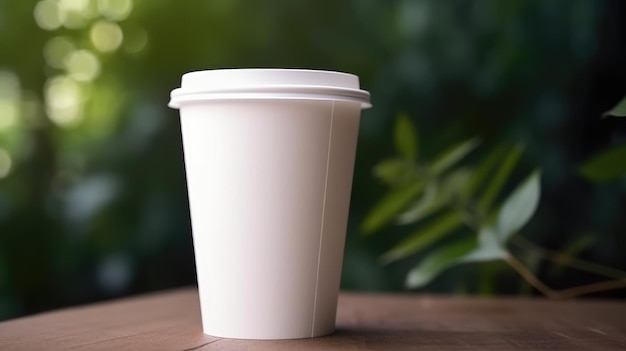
(252, 336)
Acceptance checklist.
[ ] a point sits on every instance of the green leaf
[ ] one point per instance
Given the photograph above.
(423, 237)
(465, 250)
(430, 202)
(489, 247)
(438, 261)
(452, 156)
(606, 166)
(618, 110)
(499, 179)
(519, 207)
(405, 138)
(395, 172)
(484, 169)
(390, 205)
(452, 189)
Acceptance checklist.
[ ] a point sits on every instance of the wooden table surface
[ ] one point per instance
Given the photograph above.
(171, 321)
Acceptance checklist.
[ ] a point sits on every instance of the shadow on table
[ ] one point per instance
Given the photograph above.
(407, 339)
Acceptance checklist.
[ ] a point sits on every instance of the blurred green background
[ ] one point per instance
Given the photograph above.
(92, 189)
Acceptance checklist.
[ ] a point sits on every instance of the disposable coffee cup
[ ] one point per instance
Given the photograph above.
(269, 157)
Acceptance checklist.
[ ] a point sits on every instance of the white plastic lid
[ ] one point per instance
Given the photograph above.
(269, 84)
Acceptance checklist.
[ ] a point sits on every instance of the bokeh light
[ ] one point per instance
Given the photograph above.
(74, 20)
(135, 39)
(79, 6)
(106, 36)
(115, 272)
(49, 15)
(64, 99)
(116, 10)
(82, 65)
(86, 198)
(31, 109)
(57, 50)
(5, 163)
(77, 13)
(9, 112)
(9, 99)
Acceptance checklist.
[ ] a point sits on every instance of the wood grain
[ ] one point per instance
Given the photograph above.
(171, 321)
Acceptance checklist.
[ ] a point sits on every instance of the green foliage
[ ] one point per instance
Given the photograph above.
(452, 192)
(484, 168)
(405, 138)
(438, 261)
(396, 172)
(497, 182)
(618, 110)
(423, 237)
(465, 250)
(610, 164)
(408, 179)
(606, 166)
(518, 208)
(571, 249)
(452, 156)
(489, 247)
(430, 202)
(514, 213)
(390, 205)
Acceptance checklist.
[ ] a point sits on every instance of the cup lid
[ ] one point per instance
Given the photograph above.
(248, 83)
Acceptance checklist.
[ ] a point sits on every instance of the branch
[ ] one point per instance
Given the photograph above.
(529, 276)
(591, 288)
(565, 260)
(532, 279)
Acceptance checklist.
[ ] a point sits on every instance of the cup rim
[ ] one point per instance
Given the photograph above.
(268, 83)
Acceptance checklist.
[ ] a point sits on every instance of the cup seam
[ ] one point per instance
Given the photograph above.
(319, 251)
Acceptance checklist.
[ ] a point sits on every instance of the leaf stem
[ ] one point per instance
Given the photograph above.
(591, 288)
(529, 276)
(573, 262)
(532, 279)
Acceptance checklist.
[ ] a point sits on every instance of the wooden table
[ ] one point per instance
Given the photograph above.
(171, 321)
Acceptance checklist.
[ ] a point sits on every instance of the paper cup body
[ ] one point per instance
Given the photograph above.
(269, 180)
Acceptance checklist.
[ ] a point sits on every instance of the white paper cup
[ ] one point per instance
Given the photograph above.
(269, 157)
